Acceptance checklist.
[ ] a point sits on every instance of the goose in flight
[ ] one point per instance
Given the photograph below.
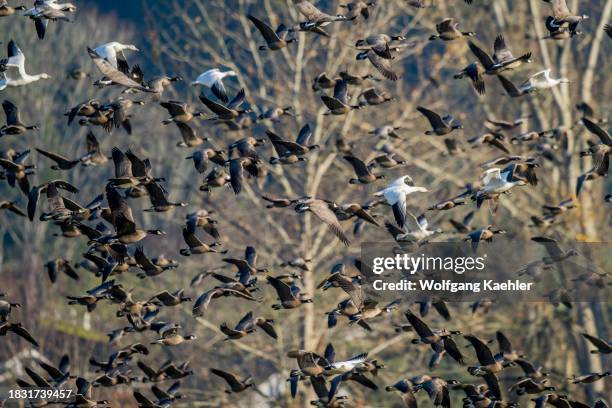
(14, 73)
(417, 231)
(542, 80)
(562, 13)
(315, 16)
(495, 182)
(6, 10)
(502, 58)
(275, 40)
(322, 211)
(213, 79)
(395, 194)
(113, 74)
(48, 10)
(439, 125)
(113, 53)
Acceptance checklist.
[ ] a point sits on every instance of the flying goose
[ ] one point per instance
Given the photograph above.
(496, 180)
(484, 234)
(339, 104)
(323, 81)
(6, 10)
(417, 229)
(502, 59)
(237, 166)
(278, 202)
(542, 80)
(505, 348)
(599, 151)
(322, 211)
(247, 268)
(289, 295)
(395, 194)
(275, 40)
(489, 364)
(62, 163)
(234, 383)
(386, 161)
(246, 147)
(86, 109)
(347, 211)
(226, 112)
(437, 390)
(275, 114)
(119, 108)
(562, 14)
(124, 177)
(113, 52)
(558, 31)
(326, 397)
(15, 171)
(43, 12)
(463, 226)
(383, 65)
(201, 158)
(448, 31)
(215, 178)
(171, 337)
(530, 386)
(36, 191)
(379, 43)
(115, 75)
(372, 96)
(512, 90)
(159, 83)
(315, 16)
(474, 72)
(364, 175)
(94, 156)
(164, 397)
(159, 201)
(562, 207)
(554, 251)
(440, 341)
(203, 301)
(447, 204)
(57, 265)
(123, 220)
(196, 246)
(386, 131)
(358, 8)
(213, 79)
(179, 112)
(13, 126)
(148, 268)
(19, 330)
(404, 387)
(287, 149)
(14, 73)
(171, 299)
(248, 324)
(440, 125)
(58, 375)
(499, 124)
(493, 139)
(603, 347)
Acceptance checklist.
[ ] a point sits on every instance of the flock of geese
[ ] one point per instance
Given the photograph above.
(114, 238)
